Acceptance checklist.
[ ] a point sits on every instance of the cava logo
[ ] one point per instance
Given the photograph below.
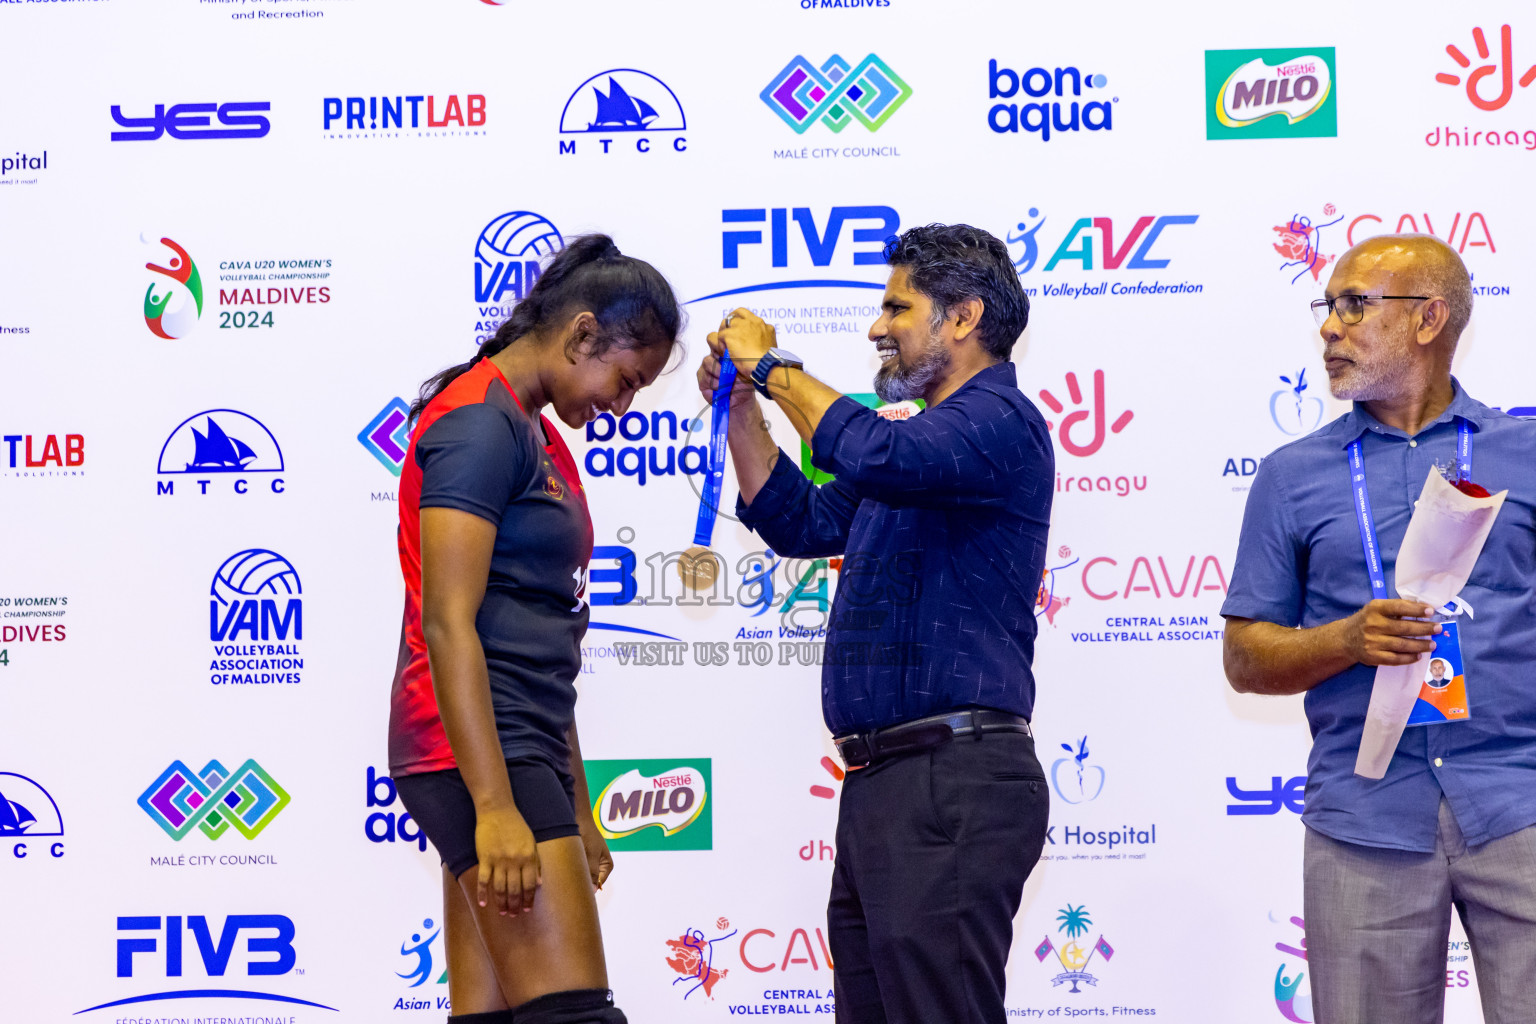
(219, 448)
(213, 800)
(653, 804)
(1270, 94)
(173, 310)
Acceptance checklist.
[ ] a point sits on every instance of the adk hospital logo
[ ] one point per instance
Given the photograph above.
(255, 620)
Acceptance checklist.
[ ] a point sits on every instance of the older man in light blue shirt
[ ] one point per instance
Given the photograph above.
(1454, 820)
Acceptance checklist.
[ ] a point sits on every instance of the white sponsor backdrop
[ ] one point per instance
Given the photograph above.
(369, 238)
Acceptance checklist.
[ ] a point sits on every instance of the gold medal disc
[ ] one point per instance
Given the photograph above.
(698, 568)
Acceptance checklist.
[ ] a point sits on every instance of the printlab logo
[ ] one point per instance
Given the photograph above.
(835, 94)
(1289, 794)
(219, 448)
(1047, 114)
(1074, 923)
(256, 596)
(507, 261)
(390, 116)
(214, 800)
(1292, 410)
(1074, 779)
(268, 952)
(175, 311)
(1270, 94)
(194, 121)
(27, 812)
(1095, 416)
(653, 804)
(623, 100)
(419, 945)
(387, 436)
(1504, 69)
(1294, 1004)
(33, 454)
(691, 956)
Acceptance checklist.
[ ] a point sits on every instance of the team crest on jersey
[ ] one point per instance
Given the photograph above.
(554, 488)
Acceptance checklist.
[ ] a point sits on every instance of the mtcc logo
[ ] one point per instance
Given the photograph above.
(219, 443)
(1074, 779)
(388, 435)
(623, 100)
(1294, 411)
(175, 311)
(1074, 923)
(1503, 69)
(213, 800)
(28, 812)
(1270, 94)
(835, 94)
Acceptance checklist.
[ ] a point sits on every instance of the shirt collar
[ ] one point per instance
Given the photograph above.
(1463, 406)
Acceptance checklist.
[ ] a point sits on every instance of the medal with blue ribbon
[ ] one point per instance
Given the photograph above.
(699, 566)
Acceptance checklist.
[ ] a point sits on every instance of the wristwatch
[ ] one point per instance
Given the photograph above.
(765, 365)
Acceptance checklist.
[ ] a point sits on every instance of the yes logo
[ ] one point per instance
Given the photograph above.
(1270, 94)
(653, 804)
(1068, 435)
(1291, 794)
(1074, 779)
(1504, 69)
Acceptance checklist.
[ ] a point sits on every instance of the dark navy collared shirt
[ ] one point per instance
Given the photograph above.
(942, 522)
(1300, 563)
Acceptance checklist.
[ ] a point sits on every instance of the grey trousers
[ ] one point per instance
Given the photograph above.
(1377, 923)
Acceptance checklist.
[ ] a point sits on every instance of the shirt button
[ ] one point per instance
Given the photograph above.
(1412, 443)
(1438, 762)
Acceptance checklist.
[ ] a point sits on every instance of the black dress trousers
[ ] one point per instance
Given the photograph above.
(933, 849)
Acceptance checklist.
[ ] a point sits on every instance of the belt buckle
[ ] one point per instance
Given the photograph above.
(855, 751)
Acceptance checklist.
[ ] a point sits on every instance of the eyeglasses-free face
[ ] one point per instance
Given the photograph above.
(1351, 308)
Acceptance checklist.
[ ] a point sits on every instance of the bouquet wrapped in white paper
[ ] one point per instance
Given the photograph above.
(1444, 538)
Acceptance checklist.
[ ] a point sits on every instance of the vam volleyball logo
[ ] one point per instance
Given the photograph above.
(257, 599)
(173, 301)
(507, 261)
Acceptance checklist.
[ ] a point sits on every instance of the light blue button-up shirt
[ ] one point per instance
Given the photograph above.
(1300, 563)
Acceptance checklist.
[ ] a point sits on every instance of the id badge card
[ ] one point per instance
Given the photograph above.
(1443, 695)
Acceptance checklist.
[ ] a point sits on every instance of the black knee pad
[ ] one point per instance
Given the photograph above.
(493, 1017)
(577, 1006)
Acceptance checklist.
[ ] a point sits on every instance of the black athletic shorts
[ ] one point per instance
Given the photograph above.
(445, 812)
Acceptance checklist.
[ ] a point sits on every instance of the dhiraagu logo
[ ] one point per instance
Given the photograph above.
(655, 804)
(1271, 94)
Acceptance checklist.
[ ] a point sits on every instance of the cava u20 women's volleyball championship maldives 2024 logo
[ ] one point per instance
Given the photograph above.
(173, 301)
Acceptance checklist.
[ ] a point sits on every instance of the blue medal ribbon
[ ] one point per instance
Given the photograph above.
(1367, 522)
(714, 474)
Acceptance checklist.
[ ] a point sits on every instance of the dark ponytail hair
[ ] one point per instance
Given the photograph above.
(633, 303)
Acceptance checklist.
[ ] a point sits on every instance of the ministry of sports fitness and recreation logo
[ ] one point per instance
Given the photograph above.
(507, 255)
(219, 449)
(174, 310)
(653, 804)
(387, 436)
(213, 800)
(836, 94)
(27, 812)
(255, 620)
(1270, 94)
(1074, 923)
(623, 108)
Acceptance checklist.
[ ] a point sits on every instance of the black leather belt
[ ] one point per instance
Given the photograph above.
(861, 748)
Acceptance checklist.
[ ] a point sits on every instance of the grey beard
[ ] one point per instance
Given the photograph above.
(1368, 383)
(893, 383)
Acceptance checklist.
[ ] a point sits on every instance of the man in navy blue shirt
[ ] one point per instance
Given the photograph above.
(941, 520)
(1451, 823)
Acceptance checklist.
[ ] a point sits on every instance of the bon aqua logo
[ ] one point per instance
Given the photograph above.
(174, 310)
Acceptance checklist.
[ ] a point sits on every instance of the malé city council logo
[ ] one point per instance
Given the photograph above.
(387, 436)
(213, 800)
(1270, 94)
(836, 94)
(175, 310)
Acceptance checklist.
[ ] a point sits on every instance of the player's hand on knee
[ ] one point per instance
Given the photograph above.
(509, 862)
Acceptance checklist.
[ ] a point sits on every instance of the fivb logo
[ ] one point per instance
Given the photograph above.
(653, 804)
(213, 800)
(820, 243)
(836, 94)
(175, 312)
(219, 443)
